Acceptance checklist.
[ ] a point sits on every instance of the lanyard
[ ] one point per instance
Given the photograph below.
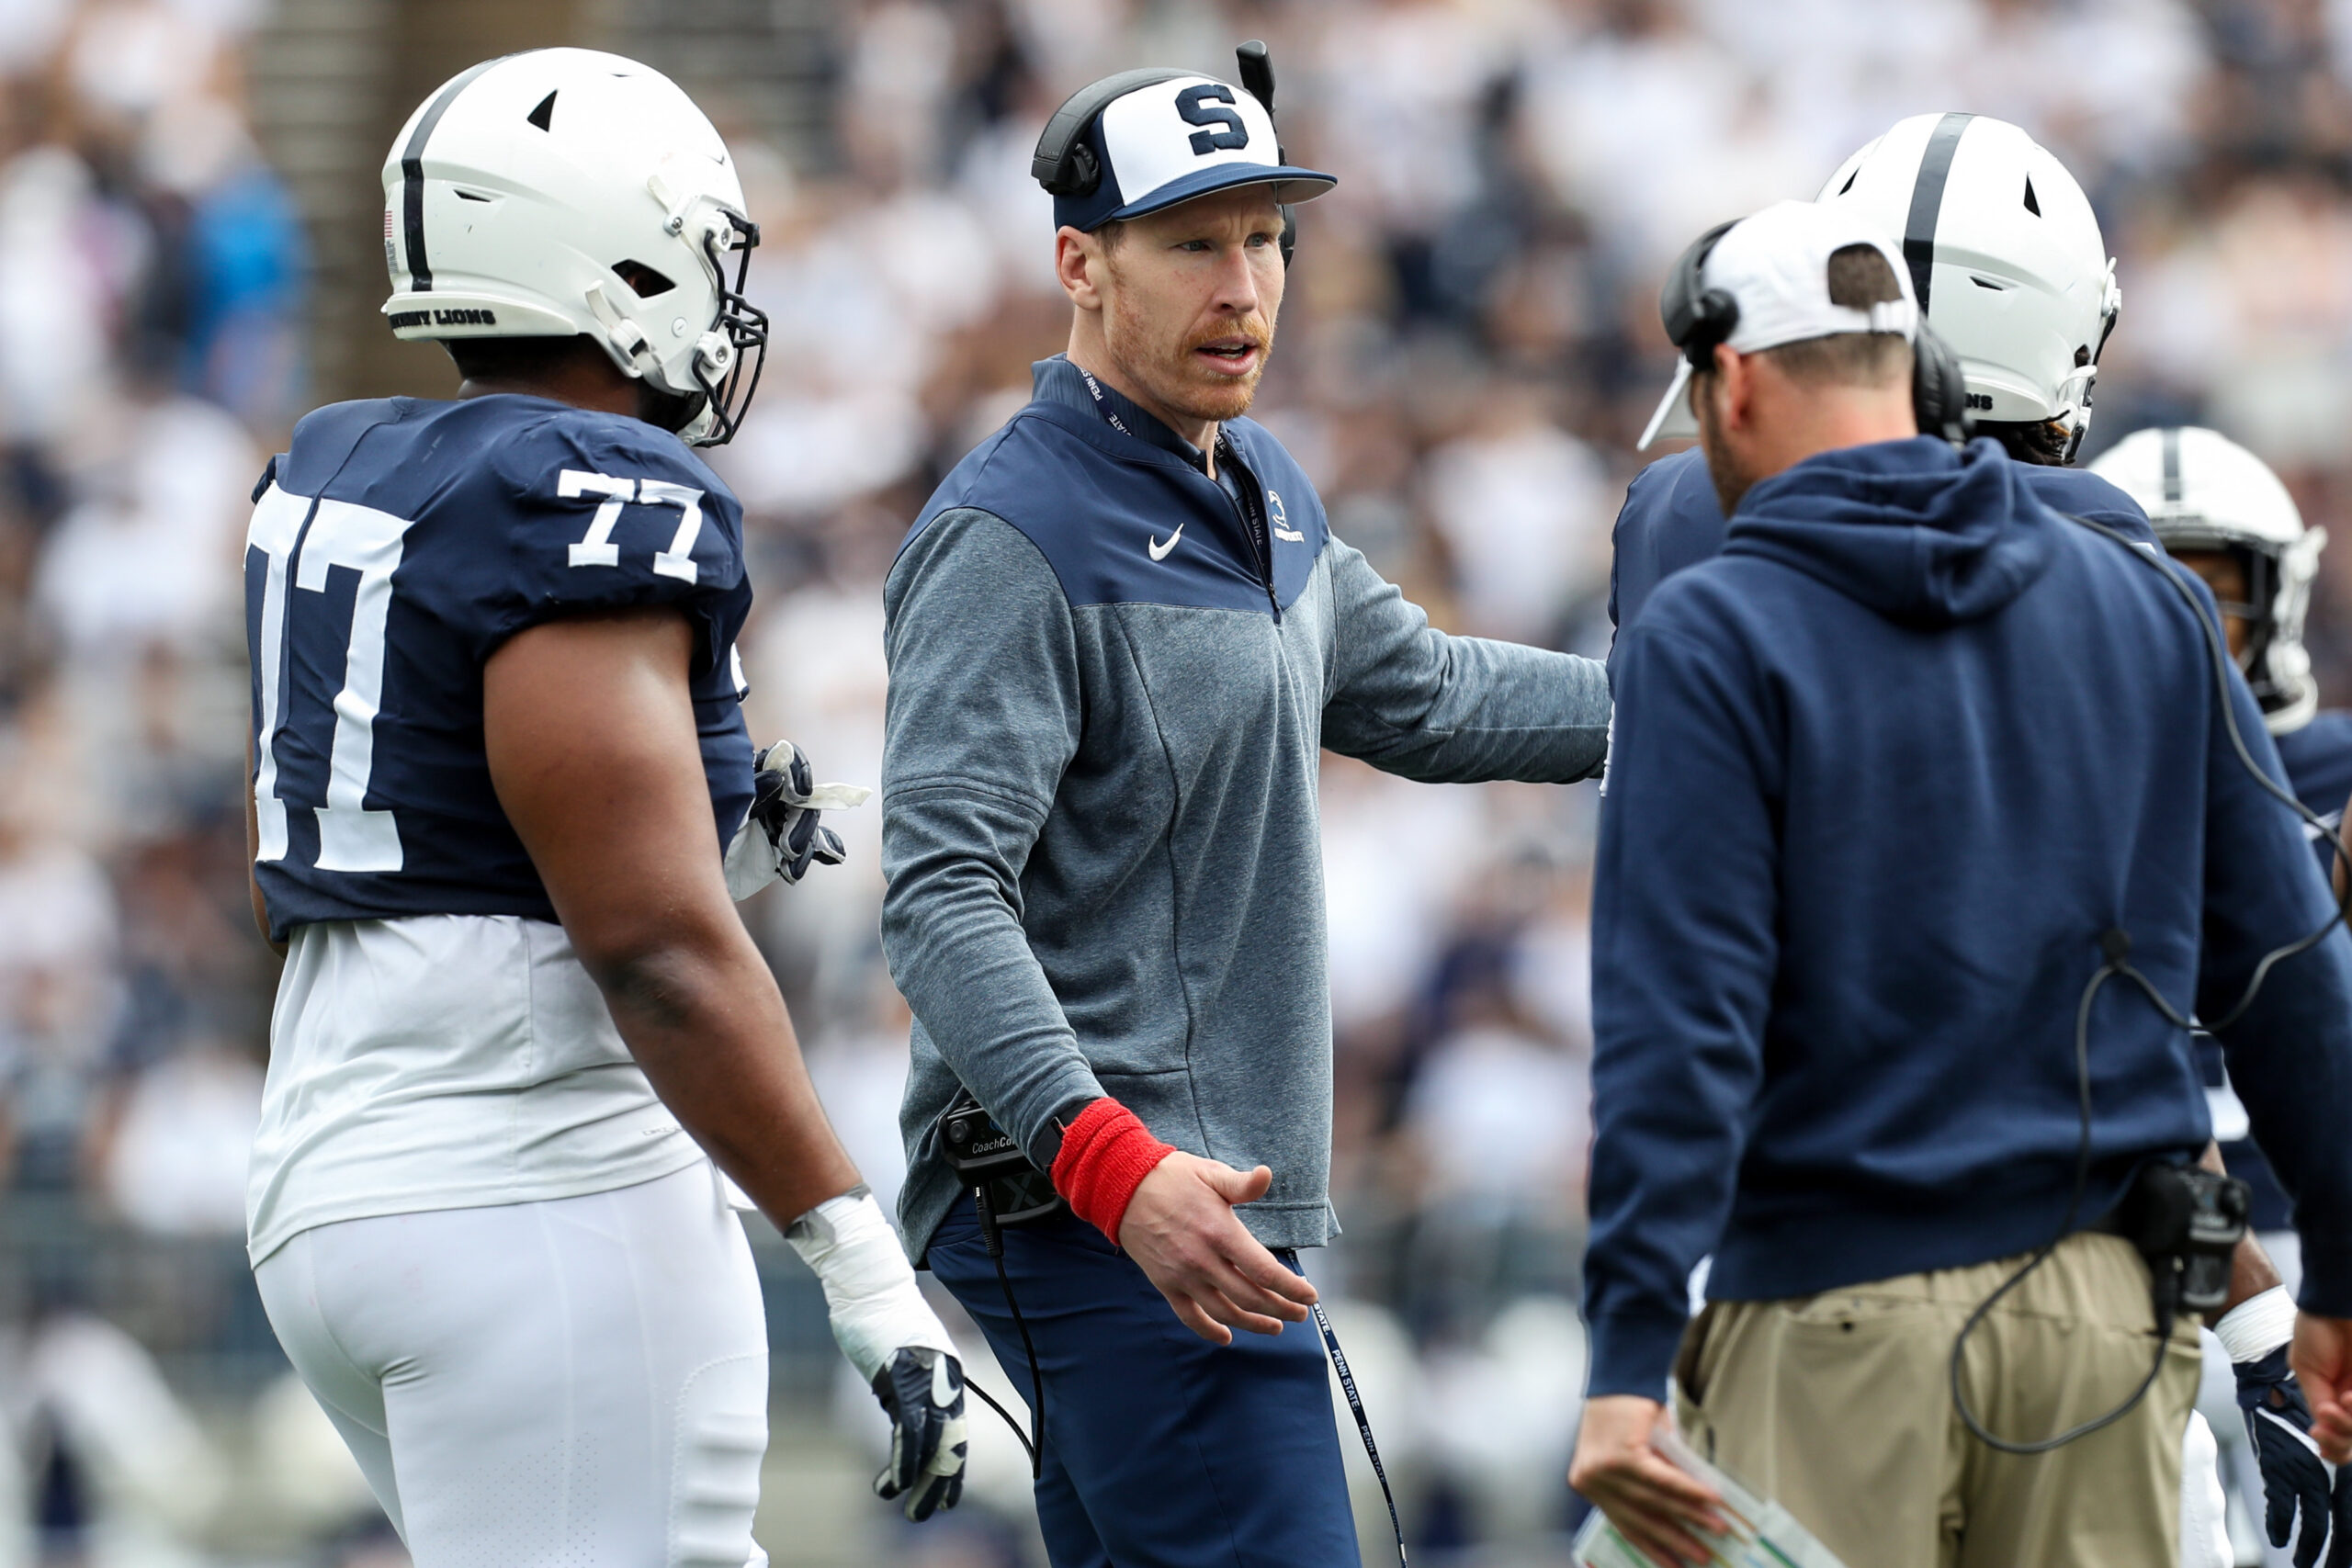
(1355, 1408)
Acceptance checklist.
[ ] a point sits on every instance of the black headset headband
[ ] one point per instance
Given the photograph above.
(1067, 165)
(1063, 162)
(1697, 318)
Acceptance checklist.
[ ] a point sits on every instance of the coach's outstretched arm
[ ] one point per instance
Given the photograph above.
(589, 727)
(1411, 700)
(984, 718)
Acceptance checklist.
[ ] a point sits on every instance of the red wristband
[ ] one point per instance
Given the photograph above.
(1105, 1155)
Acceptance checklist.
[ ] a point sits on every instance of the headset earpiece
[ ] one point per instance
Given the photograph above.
(1085, 171)
(1697, 318)
(1939, 388)
(1065, 162)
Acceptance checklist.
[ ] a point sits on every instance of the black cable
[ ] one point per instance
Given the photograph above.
(1019, 1435)
(1035, 1439)
(2117, 946)
(2217, 647)
(1035, 1444)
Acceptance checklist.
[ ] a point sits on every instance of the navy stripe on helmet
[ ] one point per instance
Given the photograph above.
(2172, 467)
(1928, 202)
(420, 270)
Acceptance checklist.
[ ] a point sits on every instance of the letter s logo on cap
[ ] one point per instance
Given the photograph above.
(1192, 105)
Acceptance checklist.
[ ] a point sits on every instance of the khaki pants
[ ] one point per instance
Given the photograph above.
(1839, 1406)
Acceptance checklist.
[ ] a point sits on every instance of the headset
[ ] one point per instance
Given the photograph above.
(1698, 318)
(1069, 161)
(1066, 162)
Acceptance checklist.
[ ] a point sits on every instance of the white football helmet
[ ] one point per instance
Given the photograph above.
(2203, 491)
(565, 191)
(2006, 256)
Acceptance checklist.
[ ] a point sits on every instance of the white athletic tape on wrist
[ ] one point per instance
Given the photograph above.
(870, 1290)
(2258, 1326)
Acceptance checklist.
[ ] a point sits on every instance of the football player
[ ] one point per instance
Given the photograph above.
(2222, 513)
(502, 792)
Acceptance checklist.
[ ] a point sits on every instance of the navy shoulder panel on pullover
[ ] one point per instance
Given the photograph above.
(1671, 519)
(2318, 758)
(1938, 741)
(1100, 830)
(1127, 521)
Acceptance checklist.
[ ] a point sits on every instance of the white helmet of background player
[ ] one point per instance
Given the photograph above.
(2007, 261)
(2203, 491)
(564, 191)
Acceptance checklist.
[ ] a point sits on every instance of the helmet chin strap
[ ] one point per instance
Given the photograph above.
(622, 334)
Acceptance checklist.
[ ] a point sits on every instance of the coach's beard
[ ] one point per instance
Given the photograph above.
(1178, 377)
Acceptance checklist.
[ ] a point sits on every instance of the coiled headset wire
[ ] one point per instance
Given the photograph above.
(2117, 947)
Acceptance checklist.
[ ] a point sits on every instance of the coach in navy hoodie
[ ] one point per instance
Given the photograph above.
(1886, 774)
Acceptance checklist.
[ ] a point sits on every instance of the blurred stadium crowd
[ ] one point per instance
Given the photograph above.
(1468, 346)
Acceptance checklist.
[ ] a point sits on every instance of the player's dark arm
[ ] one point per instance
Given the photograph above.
(253, 856)
(590, 732)
(2251, 1271)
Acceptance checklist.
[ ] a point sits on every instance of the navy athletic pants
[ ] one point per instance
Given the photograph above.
(1163, 1450)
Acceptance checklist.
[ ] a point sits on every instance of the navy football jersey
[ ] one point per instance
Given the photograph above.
(2318, 759)
(395, 547)
(1671, 519)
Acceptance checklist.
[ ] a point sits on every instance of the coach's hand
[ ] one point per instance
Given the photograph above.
(1180, 1229)
(2321, 1356)
(1653, 1504)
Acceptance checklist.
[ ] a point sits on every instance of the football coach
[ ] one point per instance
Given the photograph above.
(1119, 636)
(1932, 818)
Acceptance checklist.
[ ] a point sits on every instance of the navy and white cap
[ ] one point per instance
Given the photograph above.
(1170, 140)
(1775, 266)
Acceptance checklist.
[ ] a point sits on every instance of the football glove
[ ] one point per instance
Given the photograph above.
(782, 836)
(895, 1342)
(922, 1391)
(2295, 1481)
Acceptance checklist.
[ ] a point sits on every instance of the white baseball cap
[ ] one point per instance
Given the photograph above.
(1773, 269)
(1166, 139)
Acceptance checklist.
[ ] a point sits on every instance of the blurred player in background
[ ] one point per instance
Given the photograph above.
(2222, 513)
(502, 794)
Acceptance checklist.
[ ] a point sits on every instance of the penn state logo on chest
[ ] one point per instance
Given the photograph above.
(1278, 519)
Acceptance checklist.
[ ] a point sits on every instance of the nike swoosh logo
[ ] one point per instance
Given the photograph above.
(1159, 551)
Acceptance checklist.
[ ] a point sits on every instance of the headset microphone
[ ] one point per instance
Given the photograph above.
(1258, 81)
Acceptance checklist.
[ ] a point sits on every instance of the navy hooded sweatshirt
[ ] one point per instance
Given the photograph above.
(1671, 519)
(1885, 771)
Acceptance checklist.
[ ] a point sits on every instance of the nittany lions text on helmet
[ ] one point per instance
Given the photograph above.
(562, 192)
(395, 547)
(2204, 491)
(2006, 256)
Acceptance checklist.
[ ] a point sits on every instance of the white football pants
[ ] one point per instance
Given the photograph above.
(575, 1383)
